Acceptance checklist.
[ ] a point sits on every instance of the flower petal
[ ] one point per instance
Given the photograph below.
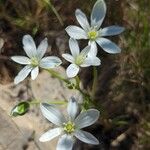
(21, 60)
(22, 74)
(108, 46)
(50, 134)
(76, 32)
(29, 46)
(41, 50)
(85, 51)
(112, 30)
(51, 113)
(72, 70)
(91, 61)
(50, 62)
(65, 142)
(72, 108)
(86, 137)
(87, 118)
(93, 51)
(82, 19)
(34, 73)
(98, 13)
(74, 47)
(68, 57)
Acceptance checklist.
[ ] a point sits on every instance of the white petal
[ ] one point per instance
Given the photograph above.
(86, 137)
(22, 74)
(41, 50)
(51, 134)
(112, 30)
(85, 51)
(68, 57)
(108, 46)
(93, 51)
(98, 13)
(65, 142)
(34, 73)
(87, 118)
(72, 108)
(50, 62)
(29, 46)
(82, 19)
(91, 61)
(72, 70)
(51, 113)
(95, 61)
(76, 32)
(21, 60)
(74, 47)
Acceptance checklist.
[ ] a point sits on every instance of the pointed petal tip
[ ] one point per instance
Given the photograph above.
(76, 32)
(26, 36)
(16, 81)
(77, 10)
(86, 137)
(72, 108)
(50, 134)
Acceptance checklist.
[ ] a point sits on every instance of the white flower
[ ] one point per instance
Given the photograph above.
(70, 127)
(93, 32)
(79, 59)
(34, 60)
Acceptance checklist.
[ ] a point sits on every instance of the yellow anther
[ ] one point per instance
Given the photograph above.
(92, 35)
(69, 127)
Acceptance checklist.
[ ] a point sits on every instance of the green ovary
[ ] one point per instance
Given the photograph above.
(92, 35)
(79, 60)
(34, 61)
(69, 127)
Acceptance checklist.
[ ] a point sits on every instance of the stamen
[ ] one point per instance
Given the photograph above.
(34, 61)
(92, 35)
(69, 127)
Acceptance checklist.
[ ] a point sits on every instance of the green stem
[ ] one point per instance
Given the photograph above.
(78, 86)
(57, 75)
(37, 102)
(55, 12)
(95, 76)
(85, 95)
(77, 82)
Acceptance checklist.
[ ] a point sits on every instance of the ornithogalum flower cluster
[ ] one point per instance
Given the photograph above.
(79, 59)
(93, 31)
(70, 128)
(34, 59)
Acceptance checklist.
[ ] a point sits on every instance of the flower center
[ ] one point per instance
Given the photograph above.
(69, 127)
(92, 35)
(34, 61)
(79, 60)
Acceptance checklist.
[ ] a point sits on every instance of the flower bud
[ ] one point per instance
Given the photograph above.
(20, 109)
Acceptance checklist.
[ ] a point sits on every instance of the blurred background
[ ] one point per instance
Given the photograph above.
(123, 91)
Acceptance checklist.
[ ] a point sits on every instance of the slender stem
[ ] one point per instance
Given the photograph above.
(77, 82)
(78, 86)
(59, 102)
(95, 76)
(85, 95)
(55, 12)
(57, 75)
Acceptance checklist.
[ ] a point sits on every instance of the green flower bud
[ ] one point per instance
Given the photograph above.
(20, 109)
